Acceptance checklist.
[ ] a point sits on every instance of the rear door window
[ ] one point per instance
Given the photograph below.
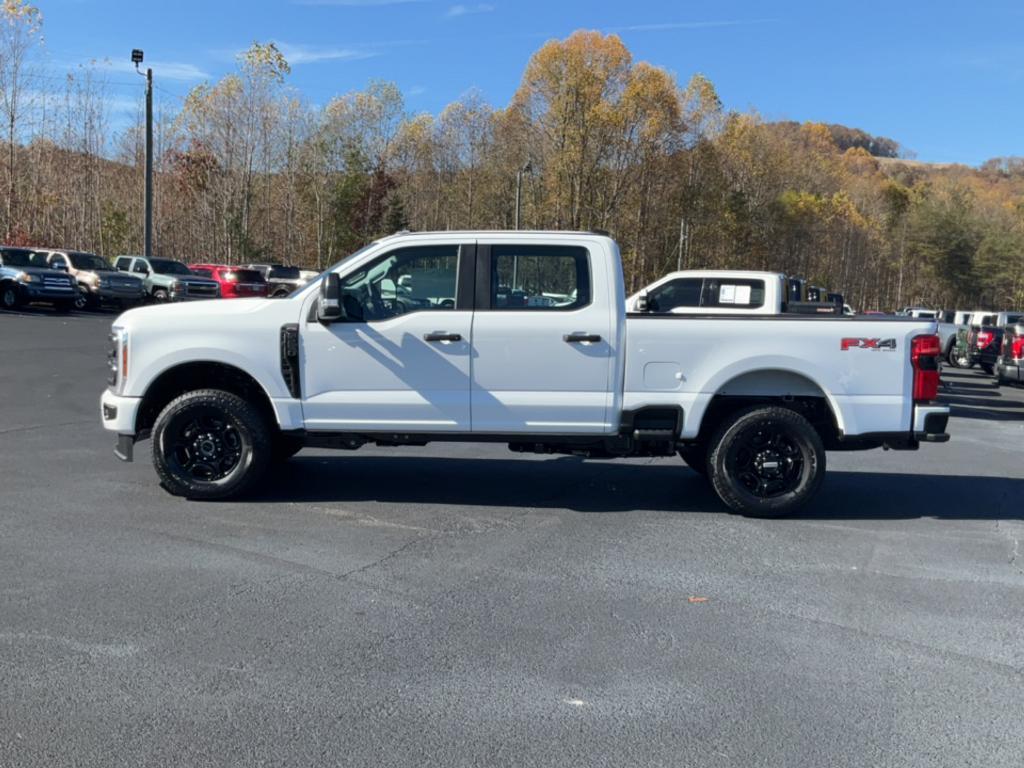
(539, 277)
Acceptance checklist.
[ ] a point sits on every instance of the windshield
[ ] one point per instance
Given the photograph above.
(169, 267)
(89, 261)
(284, 273)
(16, 258)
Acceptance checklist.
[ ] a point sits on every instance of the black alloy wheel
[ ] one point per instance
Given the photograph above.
(210, 444)
(766, 461)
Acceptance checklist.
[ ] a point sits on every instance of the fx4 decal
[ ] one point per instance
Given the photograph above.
(888, 345)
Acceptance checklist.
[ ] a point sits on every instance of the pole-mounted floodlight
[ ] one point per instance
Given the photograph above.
(148, 242)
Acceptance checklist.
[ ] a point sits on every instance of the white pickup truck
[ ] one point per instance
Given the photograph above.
(514, 337)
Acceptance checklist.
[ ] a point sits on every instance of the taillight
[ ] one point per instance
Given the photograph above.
(924, 357)
(984, 338)
(1017, 348)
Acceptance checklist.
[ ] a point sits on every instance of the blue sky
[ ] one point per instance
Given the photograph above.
(944, 79)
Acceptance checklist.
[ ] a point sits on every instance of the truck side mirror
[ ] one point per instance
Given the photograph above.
(329, 307)
(642, 303)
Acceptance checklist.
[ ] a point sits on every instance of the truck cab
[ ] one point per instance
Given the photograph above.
(708, 291)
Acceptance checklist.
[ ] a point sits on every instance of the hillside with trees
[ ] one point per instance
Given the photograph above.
(246, 170)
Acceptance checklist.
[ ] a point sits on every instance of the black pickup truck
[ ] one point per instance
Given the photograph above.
(985, 342)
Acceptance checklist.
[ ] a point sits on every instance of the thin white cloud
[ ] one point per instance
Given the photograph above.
(466, 10)
(166, 70)
(298, 54)
(670, 25)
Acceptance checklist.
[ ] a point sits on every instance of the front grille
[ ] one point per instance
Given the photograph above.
(200, 289)
(57, 283)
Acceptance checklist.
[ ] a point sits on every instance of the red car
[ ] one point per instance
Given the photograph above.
(235, 282)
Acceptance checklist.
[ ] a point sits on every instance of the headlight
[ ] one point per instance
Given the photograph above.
(117, 358)
(177, 285)
(24, 277)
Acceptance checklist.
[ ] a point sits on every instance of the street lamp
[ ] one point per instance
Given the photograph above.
(527, 168)
(137, 56)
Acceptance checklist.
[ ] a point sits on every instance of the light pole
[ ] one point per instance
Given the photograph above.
(136, 60)
(527, 168)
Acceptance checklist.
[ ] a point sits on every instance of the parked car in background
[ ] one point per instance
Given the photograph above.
(281, 279)
(23, 280)
(963, 356)
(167, 279)
(234, 282)
(986, 340)
(949, 322)
(98, 282)
(1010, 364)
(723, 292)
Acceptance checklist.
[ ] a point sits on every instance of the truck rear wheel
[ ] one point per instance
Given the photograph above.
(766, 461)
(210, 444)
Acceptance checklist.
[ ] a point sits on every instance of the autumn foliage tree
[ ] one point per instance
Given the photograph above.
(592, 139)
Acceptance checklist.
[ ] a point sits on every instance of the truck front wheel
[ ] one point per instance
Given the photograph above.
(210, 444)
(766, 461)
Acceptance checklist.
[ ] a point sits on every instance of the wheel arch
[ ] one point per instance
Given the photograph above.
(792, 389)
(201, 374)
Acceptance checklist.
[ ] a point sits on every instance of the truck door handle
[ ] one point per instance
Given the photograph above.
(442, 336)
(578, 338)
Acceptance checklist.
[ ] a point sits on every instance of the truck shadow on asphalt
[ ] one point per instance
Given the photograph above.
(593, 486)
(970, 395)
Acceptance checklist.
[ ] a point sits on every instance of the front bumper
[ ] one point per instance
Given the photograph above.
(185, 296)
(118, 414)
(109, 293)
(36, 292)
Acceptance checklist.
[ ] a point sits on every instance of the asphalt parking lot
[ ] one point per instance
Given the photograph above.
(463, 605)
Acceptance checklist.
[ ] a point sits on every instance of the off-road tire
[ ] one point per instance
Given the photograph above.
(735, 433)
(253, 434)
(161, 296)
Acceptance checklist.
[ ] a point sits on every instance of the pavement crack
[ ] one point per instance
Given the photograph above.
(31, 427)
(381, 560)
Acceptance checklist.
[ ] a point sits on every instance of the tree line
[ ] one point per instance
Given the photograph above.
(247, 170)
